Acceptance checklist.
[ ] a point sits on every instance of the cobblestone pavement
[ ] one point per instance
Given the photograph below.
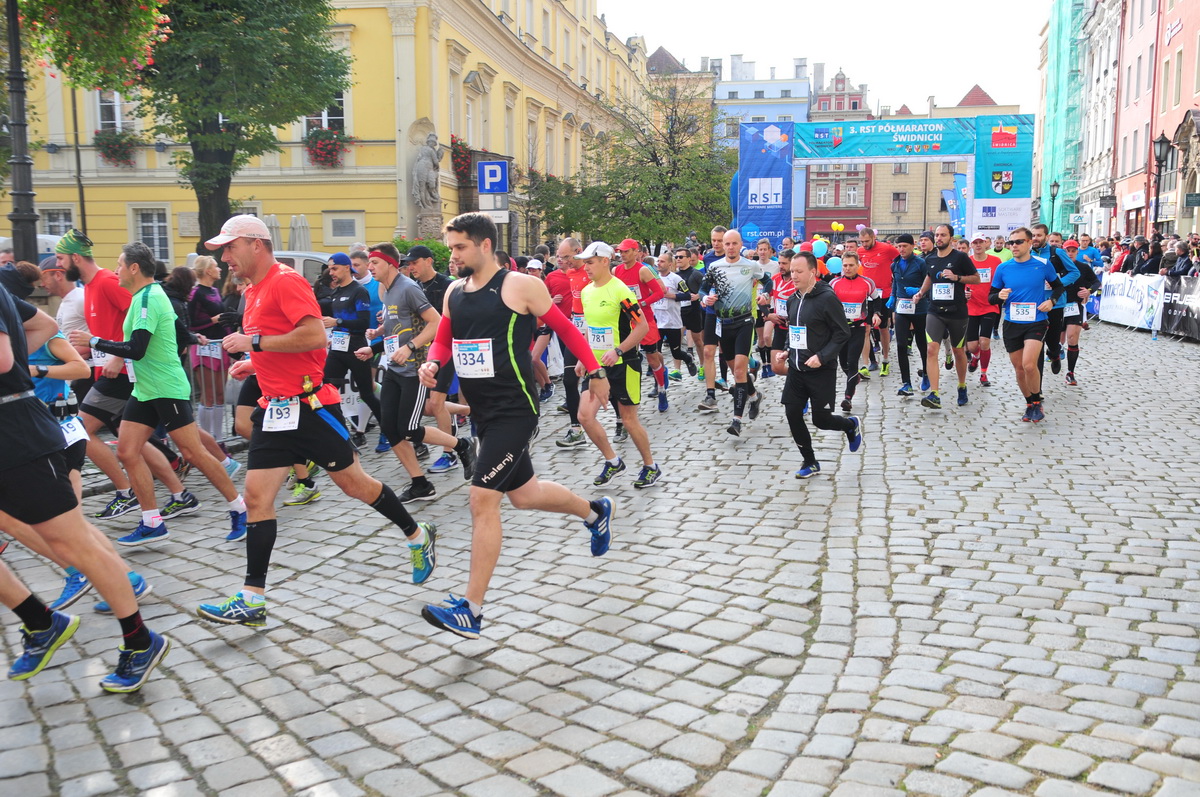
(975, 606)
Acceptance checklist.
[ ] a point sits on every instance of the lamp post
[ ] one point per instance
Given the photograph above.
(1162, 148)
(23, 217)
(1054, 186)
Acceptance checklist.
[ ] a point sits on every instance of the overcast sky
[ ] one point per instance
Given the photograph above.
(903, 51)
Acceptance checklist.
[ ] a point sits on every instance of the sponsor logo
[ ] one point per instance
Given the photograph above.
(765, 192)
(1004, 137)
(1002, 181)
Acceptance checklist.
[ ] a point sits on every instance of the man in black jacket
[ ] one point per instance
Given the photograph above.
(807, 351)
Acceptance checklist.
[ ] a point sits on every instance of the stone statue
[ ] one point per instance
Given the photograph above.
(425, 175)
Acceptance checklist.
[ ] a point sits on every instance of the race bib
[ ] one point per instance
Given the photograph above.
(129, 370)
(798, 337)
(339, 340)
(473, 358)
(73, 431)
(580, 324)
(660, 306)
(283, 415)
(781, 307)
(600, 338)
(1022, 311)
(985, 275)
(391, 345)
(100, 358)
(1071, 310)
(943, 291)
(717, 329)
(906, 306)
(210, 349)
(852, 310)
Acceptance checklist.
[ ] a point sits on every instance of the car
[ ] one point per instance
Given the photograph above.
(309, 264)
(45, 245)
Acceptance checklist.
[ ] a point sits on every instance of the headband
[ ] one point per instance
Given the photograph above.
(74, 243)
(386, 257)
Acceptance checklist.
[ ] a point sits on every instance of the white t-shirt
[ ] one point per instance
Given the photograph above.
(666, 310)
(70, 315)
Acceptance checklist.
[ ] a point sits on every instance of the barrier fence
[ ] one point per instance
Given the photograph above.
(1167, 304)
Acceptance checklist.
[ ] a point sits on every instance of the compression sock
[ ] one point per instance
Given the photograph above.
(134, 632)
(260, 541)
(34, 614)
(1072, 357)
(711, 392)
(739, 399)
(660, 378)
(388, 505)
(985, 358)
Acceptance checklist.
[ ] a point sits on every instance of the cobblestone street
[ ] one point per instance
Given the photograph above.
(969, 606)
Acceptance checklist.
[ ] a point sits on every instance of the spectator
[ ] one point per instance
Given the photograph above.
(1183, 264)
(1151, 263)
(178, 286)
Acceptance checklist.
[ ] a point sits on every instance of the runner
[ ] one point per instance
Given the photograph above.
(982, 316)
(860, 299)
(877, 257)
(160, 397)
(572, 307)
(649, 289)
(669, 311)
(1018, 285)
(691, 313)
(910, 307)
(1048, 246)
(711, 336)
(947, 270)
(1074, 312)
(765, 257)
(1000, 249)
(346, 326)
(487, 328)
(774, 301)
(298, 418)
(806, 350)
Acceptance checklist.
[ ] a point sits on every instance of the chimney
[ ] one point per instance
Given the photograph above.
(735, 67)
(800, 68)
(885, 110)
(931, 106)
(772, 73)
(704, 63)
(818, 77)
(715, 65)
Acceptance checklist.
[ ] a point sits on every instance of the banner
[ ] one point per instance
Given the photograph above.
(959, 216)
(1003, 157)
(1181, 307)
(895, 139)
(764, 190)
(1132, 301)
(1000, 216)
(950, 199)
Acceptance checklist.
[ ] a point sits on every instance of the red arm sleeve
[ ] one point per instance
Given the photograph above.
(443, 342)
(656, 291)
(568, 334)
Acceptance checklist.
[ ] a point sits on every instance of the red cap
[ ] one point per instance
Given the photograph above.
(806, 246)
(1071, 244)
(628, 243)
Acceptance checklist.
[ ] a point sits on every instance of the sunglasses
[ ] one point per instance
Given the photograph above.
(680, 257)
(1016, 241)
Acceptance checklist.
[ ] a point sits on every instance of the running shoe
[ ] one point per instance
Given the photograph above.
(653, 391)
(767, 372)
(454, 616)
(933, 401)
(358, 439)
(905, 390)
(291, 479)
(40, 646)
(1055, 364)
(445, 462)
(662, 401)
(141, 587)
(421, 450)
(602, 529)
(846, 404)
(735, 428)
(648, 477)
(415, 493)
(302, 495)
(75, 586)
(181, 467)
(563, 409)
(237, 526)
(547, 393)
(754, 405)
(874, 366)
(699, 373)
(962, 397)
(117, 507)
(185, 506)
(808, 471)
(233, 467)
(691, 366)
(721, 384)
(885, 369)
(983, 380)
(1071, 379)
(143, 535)
(708, 404)
(621, 434)
(1036, 415)
(675, 375)
(972, 364)
(855, 435)
(924, 381)
(135, 666)
(608, 472)
(468, 456)
(949, 360)
(384, 446)
(1028, 416)
(238, 610)
(864, 374)
(424, 556)
(572, 439)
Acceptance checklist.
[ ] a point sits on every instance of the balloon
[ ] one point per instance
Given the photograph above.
(834, 264)
(806, 246)
(836, 226)
(820, 248)
(816, 236)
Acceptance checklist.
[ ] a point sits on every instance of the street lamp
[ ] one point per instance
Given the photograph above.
(1162, 148)
(1054, 186)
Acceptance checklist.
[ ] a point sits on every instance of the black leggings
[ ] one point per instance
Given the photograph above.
(1054, 330)
(570, 383)
(403, 406)
(673, 338)
(849, 356)
(817, 389)
(336, 366)
(910, 329)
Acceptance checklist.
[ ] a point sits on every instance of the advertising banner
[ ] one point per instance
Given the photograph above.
(1000, 216)
(962, 197)
(764, 188)
(1181, 307)
(950, 200)
(1132, 301)
(1003, 157)
(894, 139)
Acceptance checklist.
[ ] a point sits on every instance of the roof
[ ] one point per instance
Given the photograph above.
(662, 62)
(977, 96)
(903, 111)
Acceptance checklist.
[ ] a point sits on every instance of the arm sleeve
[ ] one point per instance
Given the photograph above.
(656, 290)
(1057, 288)
(132, 349)
(442, 346)
(571, 336)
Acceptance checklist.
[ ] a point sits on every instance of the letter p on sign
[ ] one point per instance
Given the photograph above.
(493, 177)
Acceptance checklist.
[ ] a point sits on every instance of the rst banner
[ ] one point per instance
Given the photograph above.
(1133, 301)
(764, 182)
(1181, 307)
(895, 139)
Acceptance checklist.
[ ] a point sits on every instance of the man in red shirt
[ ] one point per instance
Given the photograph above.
(983, 316)
(876, 257)
(648, 287)
(566, 284)
(298, 418)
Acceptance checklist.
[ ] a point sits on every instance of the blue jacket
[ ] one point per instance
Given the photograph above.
(907, 278)
(1068, 272)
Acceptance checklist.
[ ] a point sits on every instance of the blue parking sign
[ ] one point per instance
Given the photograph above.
(493, 177)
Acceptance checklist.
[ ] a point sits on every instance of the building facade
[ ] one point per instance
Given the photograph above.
(1176, 114)
(1061, 119)
(837, 192)
(1135, 102)
(1101, 59)
(525, 79)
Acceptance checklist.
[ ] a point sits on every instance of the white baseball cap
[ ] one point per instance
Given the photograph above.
(535, 263)
(980, 236)
(595, 249)
(244, 226)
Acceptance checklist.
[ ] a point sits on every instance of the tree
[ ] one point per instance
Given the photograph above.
(233, 72)
(658, 173)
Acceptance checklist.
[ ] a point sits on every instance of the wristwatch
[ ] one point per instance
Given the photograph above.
(256, 342)
(42, 371)
(599, 373)
(617, 349)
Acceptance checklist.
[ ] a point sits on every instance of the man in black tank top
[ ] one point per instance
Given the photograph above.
(487, 332)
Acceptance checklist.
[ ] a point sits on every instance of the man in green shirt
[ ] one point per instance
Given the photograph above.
(161, 396)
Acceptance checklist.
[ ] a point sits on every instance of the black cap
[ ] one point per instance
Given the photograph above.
(904, 238)
(416, 253)
(926, 234)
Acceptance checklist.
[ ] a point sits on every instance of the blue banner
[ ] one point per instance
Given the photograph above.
(1003, 157)
(951, 203)
(892, 139)
(764, 191)
(959, 216)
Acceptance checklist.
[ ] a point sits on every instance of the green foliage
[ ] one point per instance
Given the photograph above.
(441, 252)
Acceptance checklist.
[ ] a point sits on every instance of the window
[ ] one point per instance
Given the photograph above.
(567, 153)
(1137, 87)
(1166, 85)
(840, 105)
(545, 28)
(732, 127)
(509, 127)
(152, 227)
(566, 48)
(854, 168)
(824, 105)
(851, 195)
(899, 168)
(785, 118)
(469, 128)
(758, 118)
(1150, 72)
(56, 221)
(549, 151)
(343, 227)
(899, 202)
(948, 167)
(758, 95)
(1178, 79)
(333, 117)
(854, 105)
(1128, 83)
(1137, 161)
(1141, 12)
(785, 93)
(583, 63)
(822, 196)
(1124, 155)
(1196, 69)
(531, 143)
(732, 95)
(529, 15)
(116, 112)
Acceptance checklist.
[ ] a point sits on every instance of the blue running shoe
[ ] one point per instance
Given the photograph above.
(1036, 414)
(41, 645)
(424, 556)
(75, 587)
(933, 401)
(855, 434)
(237, 526)
(905, 390)
(808, 471)
(141, 587)
(962, 397)
(144, 535)
(237, 610)
(924, 383)
(135, 666)
(609, 471)
(445, 462)
(455, 616)
(232, 467)
(662, 401)
(601, 531)
(384, 446)
(546, 393)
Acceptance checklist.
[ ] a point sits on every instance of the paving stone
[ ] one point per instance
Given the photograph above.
(662, 776)
(1123, 778)
(1056, 761)
(997, 773)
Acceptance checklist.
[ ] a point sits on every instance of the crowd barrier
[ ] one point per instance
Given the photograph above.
(1167, 304)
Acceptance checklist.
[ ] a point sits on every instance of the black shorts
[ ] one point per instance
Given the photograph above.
(982, 326)
(38, 491)
(169, 413)
(710, 330)
(106, 400)
(1073, 320)
(885, 317)
(692, 321)
(320, 436)
(936, 328)
(447, 380)
(624, 382)
(736, 339)
(76, 454)
(250, 393)
(502, 461)
(1015, 335)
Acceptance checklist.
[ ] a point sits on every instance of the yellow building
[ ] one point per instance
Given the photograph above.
(525, 79)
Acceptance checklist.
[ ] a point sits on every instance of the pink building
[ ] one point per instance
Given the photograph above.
(1136, 102)
(1176, 114)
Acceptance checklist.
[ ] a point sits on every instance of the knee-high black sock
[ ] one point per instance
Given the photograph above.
(1072, 357)
(34, 614)
(724, 370)
(388, 505)
(571, 387)
(260, 541)
(135, 635)
(739, 399)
